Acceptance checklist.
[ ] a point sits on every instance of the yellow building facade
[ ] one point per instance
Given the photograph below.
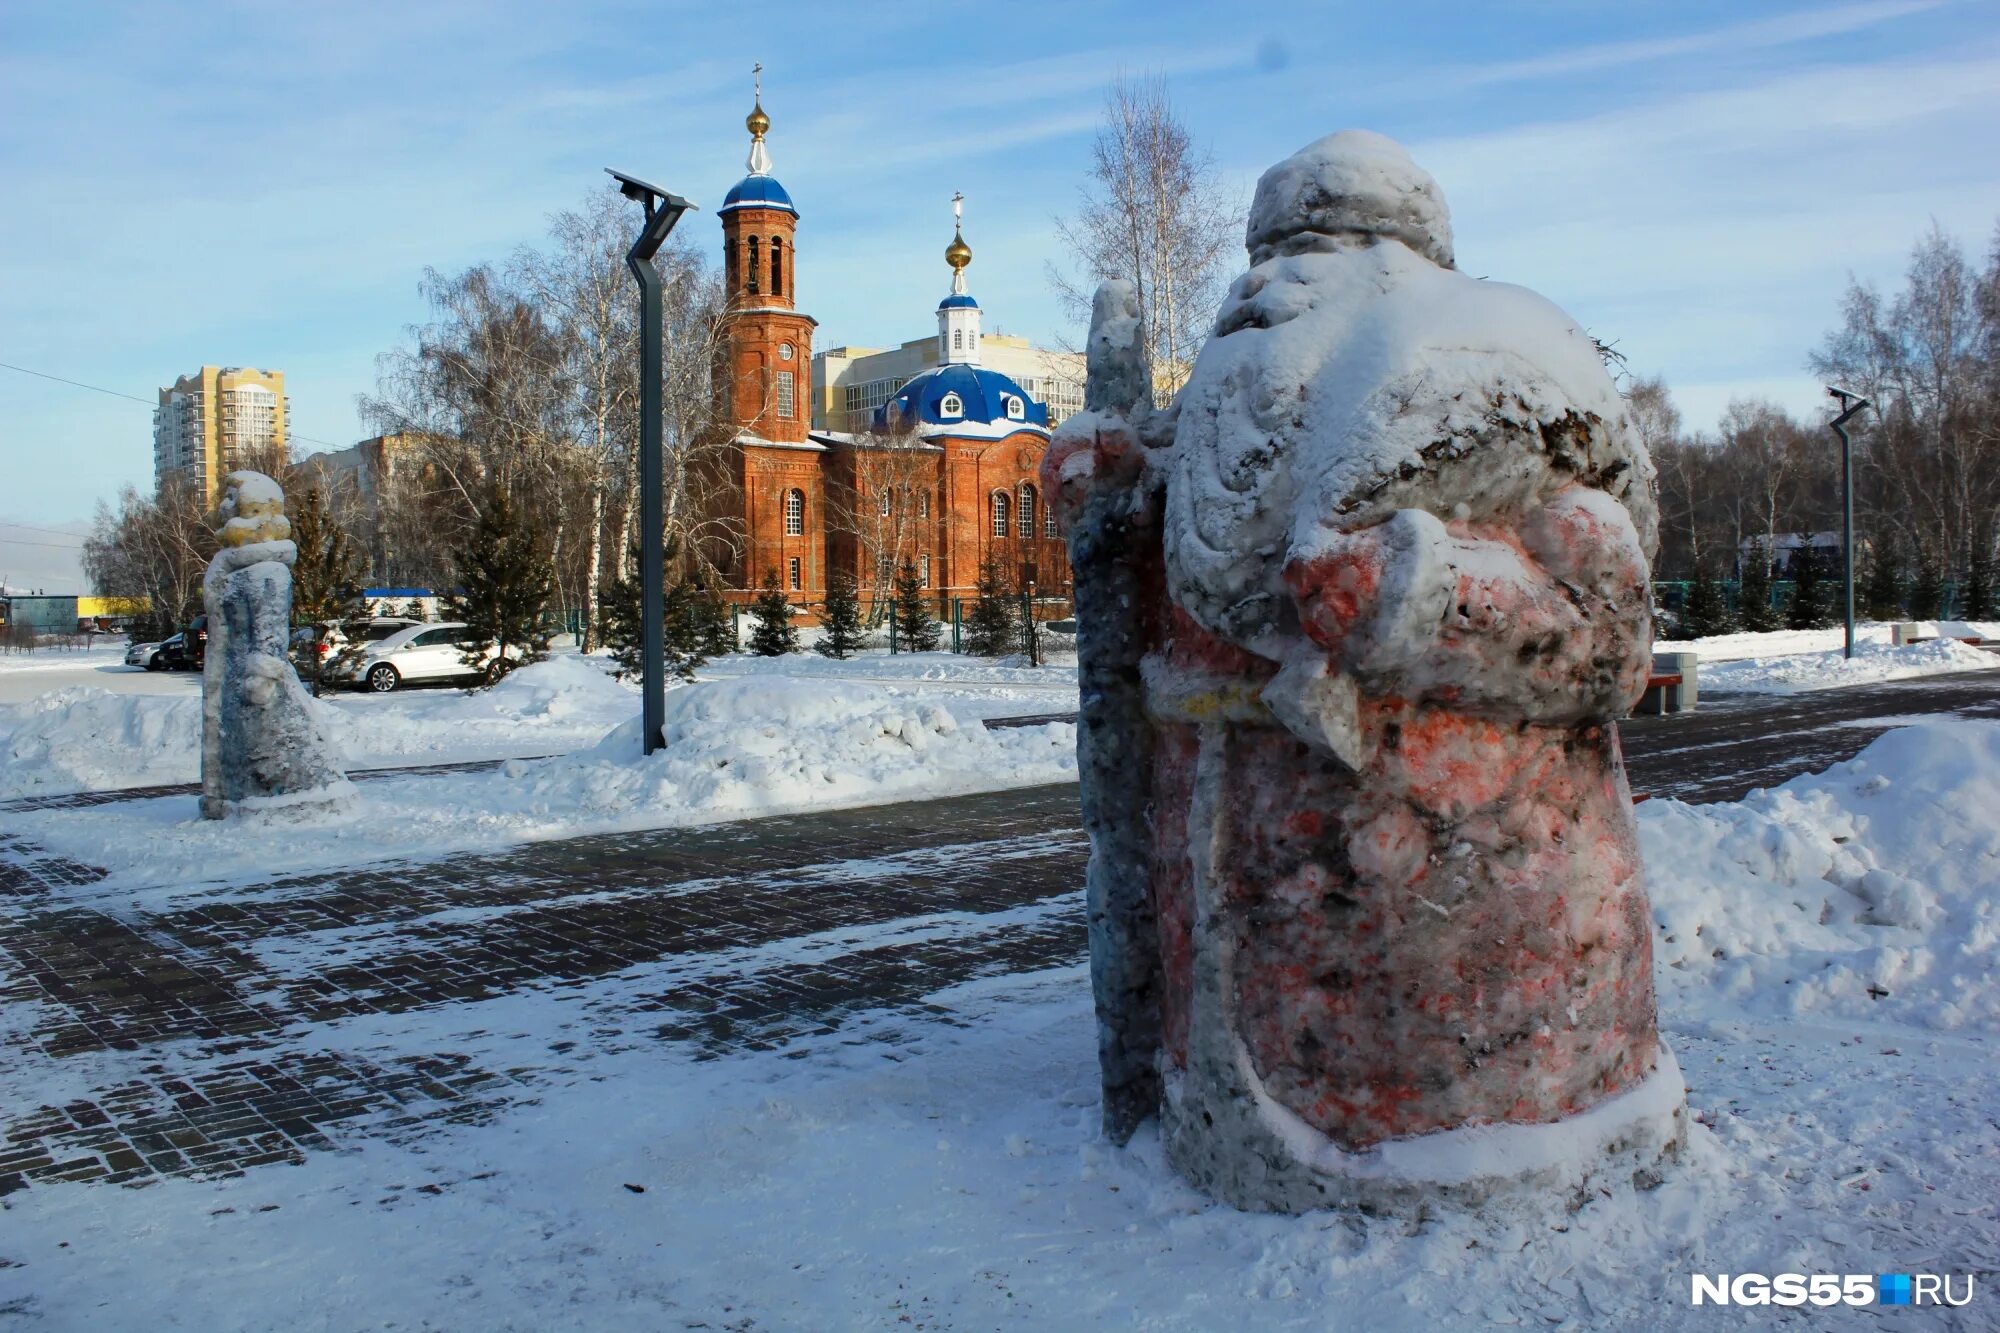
(850, 383)
(216, 420)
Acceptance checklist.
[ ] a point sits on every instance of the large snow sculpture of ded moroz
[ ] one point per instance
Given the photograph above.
(1357, 612)
(262, 751)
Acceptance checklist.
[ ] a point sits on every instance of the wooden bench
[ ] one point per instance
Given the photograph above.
(1654, 700)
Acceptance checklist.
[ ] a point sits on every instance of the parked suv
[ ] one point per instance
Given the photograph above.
(185, 651)
(417, 654)
(328, 642)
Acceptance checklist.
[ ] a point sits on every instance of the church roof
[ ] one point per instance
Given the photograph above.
(982, 397)
(757, 191)
(958, 300)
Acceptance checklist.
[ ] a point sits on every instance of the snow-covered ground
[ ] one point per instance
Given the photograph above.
(1826, 959)
(1793, 661)
(25, 675)
(95, 724)
(757, 744)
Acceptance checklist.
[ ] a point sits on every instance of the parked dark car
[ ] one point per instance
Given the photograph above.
(185, 651)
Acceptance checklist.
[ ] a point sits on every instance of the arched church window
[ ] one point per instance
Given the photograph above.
(1027, 519)
(788, 396)
(952, 406)
(795, 513)
(999, 513)
(883, 503)
(958, 340)
(1016, 409)
(777, 266)
(750, 284)
(1049, 523)
(923, 504)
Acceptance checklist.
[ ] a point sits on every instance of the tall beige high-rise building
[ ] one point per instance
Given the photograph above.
(219, 419)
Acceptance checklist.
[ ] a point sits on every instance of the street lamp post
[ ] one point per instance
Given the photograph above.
(663, 210)
(1850, 405)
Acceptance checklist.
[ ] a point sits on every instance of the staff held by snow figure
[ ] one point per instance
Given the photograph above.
(1356, 613)
(262, 749)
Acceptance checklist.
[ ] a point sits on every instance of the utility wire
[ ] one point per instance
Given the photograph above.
(60, 546)
(98, 388)
(29, 527)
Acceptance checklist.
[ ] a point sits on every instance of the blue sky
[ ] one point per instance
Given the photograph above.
(264, 183)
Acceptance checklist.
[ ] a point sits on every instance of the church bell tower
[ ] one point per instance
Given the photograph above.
(766, 379)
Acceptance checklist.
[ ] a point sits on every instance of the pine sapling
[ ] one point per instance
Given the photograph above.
(917, 630)
(989, 630)
(772, 633)
(841, 636)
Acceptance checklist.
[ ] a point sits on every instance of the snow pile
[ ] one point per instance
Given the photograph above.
(1866, 890)
(760, 744)
(551, 707)
(83, 738)
(1873, 661)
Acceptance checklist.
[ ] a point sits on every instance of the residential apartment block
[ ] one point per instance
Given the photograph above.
(219, 419)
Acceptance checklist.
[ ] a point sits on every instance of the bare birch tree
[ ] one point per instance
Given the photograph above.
(882, 499)
(1152, 209)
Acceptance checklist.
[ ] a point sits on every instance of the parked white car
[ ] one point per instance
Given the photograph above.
(142, 655)
(420, 653)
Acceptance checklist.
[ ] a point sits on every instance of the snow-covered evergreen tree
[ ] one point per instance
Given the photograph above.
(504, 578)
(917, 630)
(1707, 610)
(773, 634)
(1811, 606)
(990, 630)
(1881, 595)
(1977, 602)
(841, 636)
(1753, 594)
(1927, 589)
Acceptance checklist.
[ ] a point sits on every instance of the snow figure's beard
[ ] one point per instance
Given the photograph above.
(1347, 382)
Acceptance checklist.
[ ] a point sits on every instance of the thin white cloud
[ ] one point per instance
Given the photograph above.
(1783, 30)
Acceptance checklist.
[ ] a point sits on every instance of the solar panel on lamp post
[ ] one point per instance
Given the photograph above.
(663, 210)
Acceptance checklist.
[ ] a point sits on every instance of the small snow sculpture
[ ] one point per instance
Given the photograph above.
(262, 750)
(1356, 614)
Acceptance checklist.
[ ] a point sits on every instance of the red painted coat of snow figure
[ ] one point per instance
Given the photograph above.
(1384, 568)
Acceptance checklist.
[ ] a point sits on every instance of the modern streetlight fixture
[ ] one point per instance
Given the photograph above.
(663, 210)
(1850, 405)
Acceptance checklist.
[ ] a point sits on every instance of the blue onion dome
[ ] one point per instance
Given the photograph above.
(958, 301)
(960, 399)
(758, 192)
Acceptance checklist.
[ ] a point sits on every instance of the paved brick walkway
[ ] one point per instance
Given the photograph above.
(209, 1021)
(220, 1034)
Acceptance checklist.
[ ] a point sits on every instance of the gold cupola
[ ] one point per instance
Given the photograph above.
(958, 254)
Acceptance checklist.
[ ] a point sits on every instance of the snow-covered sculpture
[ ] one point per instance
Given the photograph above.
(1356, 614)
(262, 750)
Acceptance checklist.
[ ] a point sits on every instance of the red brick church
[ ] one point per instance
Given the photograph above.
(945, 479)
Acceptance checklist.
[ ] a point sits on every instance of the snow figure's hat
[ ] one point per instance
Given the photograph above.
(1350, 183)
